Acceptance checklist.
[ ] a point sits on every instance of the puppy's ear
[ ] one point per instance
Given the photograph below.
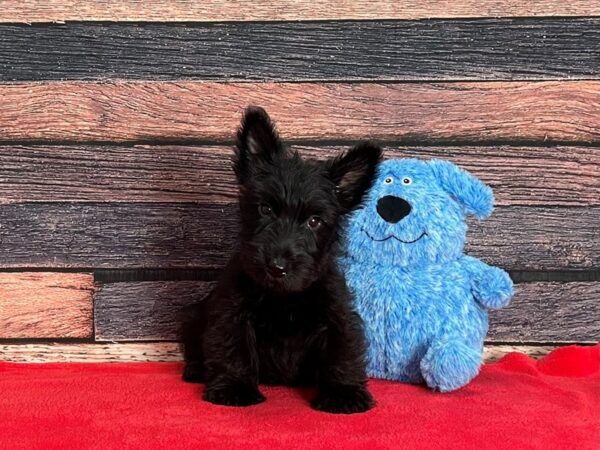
(468, 191)
(353, 173)
(256, 138)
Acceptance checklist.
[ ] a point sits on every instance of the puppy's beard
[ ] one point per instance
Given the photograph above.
(295, 281)
(300, 276)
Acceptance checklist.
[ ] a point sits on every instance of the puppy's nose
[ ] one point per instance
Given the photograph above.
(277, 268)
(393, 209)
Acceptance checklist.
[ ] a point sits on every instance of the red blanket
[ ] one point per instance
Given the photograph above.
(515, 404)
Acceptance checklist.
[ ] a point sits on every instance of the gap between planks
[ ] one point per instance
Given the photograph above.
(33, 11)
(167, 352)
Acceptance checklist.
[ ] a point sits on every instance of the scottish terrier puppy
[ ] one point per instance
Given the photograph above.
(281, 312)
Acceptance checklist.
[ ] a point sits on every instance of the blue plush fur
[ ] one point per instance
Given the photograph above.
(424, 302)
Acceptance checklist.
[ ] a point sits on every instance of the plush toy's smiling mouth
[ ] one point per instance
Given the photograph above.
(391, 236)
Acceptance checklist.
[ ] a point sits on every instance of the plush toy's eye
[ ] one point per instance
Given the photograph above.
(406, 181)
(388, 180)
(265, 210)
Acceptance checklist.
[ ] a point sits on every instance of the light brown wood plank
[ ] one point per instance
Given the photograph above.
(32, 11)
(540, 312)
(45, 305)
(566, 176)
(470, 112)
(62, 352)
(494, 352)
(168, 352)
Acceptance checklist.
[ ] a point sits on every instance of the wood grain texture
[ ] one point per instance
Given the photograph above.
(566, 176)
(144, 311)
(116, 235)
(540, 312)
(45, 305)
(550, 312)
(491, 49)
(469, 112)
(33, 11)
(169, 352)
(202, 236)
(93, 353)
(537, 238)
(493, 352)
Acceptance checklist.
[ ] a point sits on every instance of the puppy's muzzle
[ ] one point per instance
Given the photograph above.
(393, 209)
(278, 268)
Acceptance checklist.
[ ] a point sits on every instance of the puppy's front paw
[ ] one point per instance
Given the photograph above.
(233, 395)
(344, 400)
(193, 372)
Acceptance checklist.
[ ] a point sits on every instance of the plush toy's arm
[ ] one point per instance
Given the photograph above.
(491, 286)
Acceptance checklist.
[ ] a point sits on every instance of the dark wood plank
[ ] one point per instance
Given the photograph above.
(32, 11)
(46, 305)
(116, 173)
(550, 312)
(202, 236)
(525, 175)
(116, 235)
(540, 312)
(490, 49)
(468, 112)
(521, 238)
(148, 310)
(567, 176)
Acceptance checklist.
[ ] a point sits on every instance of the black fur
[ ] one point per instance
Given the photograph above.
(281, 312)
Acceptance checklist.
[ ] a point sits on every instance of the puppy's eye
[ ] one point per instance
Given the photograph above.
(265, 210)
(407, 181)
(388, 180)
(314, 222)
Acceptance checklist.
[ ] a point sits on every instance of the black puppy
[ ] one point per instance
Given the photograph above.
(281, 312)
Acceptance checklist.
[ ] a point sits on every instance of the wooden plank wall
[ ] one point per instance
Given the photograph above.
(117, 202)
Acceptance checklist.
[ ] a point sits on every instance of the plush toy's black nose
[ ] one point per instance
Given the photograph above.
(393, 209)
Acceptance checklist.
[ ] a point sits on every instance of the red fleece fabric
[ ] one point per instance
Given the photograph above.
(517, 403)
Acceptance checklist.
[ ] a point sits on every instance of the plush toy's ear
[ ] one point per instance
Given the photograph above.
(257, 137)
(353, 173)
(470, 192)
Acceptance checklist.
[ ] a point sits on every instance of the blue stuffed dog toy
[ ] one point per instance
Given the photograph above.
(424, 302)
